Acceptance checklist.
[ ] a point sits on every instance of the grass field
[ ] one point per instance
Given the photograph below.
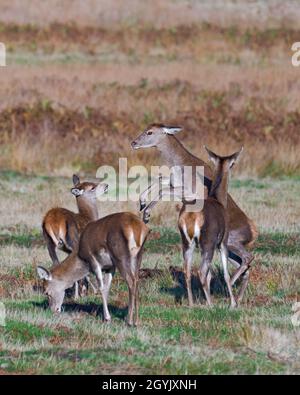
(83, 79)
(256, 338)
(80, 86)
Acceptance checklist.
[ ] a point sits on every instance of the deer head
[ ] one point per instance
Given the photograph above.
(225, 162)
(54, 289)
(154, 135)
(89, 190)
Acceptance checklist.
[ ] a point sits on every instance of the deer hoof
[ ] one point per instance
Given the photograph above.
(129, 323)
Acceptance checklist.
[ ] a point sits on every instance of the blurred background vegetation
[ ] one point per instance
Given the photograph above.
(83, 78)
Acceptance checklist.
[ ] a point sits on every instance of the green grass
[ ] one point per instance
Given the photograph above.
(170, 340)
(279, 243)
(256, 338)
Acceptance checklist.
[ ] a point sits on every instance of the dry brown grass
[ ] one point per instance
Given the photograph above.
(159, 12)
(140, 42)
(77, 86)
(193, 63)
(83, 78)
(47, 137)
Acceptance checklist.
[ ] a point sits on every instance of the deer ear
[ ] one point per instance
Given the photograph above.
(234, 157)
(76, 179)
(172, 129)
(43, 273)
(212, 156)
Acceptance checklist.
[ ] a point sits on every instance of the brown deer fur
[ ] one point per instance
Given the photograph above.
(115, 241)
(62, 227)
(209, 229)
(242, 230)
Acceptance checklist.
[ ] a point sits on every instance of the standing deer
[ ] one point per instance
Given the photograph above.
(115, 241)
(209, 228)
(242, 230)
(62, 227)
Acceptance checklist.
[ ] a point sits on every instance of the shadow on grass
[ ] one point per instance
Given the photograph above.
(91, 308)
(179, 291)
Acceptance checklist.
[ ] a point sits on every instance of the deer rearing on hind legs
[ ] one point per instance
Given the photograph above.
(209, 229)
(113, 242)
(242, 230)
(62, 227)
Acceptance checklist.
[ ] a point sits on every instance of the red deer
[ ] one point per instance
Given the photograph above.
(209, 229)
(242, 230)
(62, 227)
(110, 243)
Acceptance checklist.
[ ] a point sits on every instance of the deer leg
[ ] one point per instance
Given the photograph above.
(104, 289)
(107, 278)
(137, 273)
(224, 257)
(154, 189)
(204, 273)
(136, 302)
(143, 196)
(83, 287)
(133, 286)
(132, 293)
(151, 205)
(51, 248)
(242, 269)
(91, 284)
(76, 291)
(188, 261)
(244, 285)
(241, 259)
(208, 279)
(71, 239)
(127, 268)
(164, 191)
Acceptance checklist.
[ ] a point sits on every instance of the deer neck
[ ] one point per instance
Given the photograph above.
(173, 152)
(87, 208)
(219, 186)
(72, 269)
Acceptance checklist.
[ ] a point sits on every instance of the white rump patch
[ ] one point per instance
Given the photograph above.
(133, 247)
(53, 237)
(197, 231)
(186, 233)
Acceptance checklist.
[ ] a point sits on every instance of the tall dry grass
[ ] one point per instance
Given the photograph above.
(150, 62)
(167, 13)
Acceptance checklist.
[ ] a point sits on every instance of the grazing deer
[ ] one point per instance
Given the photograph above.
(62, 227)
(115, 241)
(209, 228)
(242, 230)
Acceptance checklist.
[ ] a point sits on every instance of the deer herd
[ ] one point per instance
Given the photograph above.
(99, 246)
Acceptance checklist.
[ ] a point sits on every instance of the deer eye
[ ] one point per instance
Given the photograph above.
(149, 133)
